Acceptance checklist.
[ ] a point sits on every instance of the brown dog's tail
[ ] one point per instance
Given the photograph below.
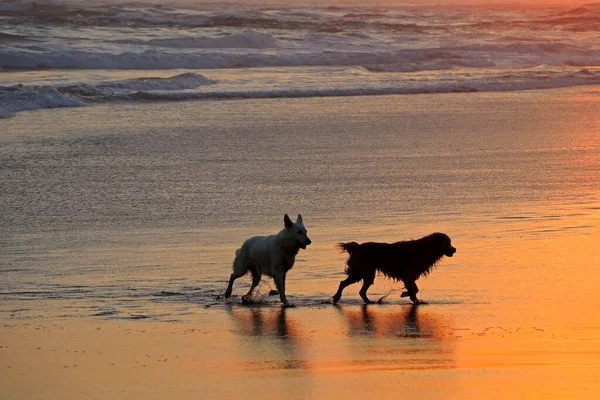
(348, 247)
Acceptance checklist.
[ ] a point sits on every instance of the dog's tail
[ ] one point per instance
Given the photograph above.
(348, 247)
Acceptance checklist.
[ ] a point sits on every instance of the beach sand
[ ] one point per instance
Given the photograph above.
(257, 352)
(105, 299)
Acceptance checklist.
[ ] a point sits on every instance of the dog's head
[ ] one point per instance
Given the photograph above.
(445, 244)
(296, 231)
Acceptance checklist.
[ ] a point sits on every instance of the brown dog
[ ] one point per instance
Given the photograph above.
(404, 261)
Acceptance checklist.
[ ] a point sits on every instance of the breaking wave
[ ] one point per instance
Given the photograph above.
(191, 86)
(22, 97)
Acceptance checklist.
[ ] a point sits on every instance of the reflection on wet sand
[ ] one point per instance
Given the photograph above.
(273, 341)
(389, 334)
(408, 322)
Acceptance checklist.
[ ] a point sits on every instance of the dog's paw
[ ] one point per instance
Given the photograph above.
(288, 305)
(273, 292)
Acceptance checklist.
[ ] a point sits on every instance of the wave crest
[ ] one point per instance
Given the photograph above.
(22, 98)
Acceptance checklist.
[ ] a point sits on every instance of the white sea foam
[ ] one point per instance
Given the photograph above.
(192, 86)
(21, 98)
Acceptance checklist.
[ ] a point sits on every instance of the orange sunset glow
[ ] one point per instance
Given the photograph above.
(319, 200)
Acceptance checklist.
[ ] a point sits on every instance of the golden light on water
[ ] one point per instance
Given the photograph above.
(513, 313)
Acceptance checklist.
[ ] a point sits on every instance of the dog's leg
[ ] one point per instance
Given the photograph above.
(343, 284)
(232, 278)
(367, 282)
(412, 290)
(240, 267)
(255, 281)
(280, 284)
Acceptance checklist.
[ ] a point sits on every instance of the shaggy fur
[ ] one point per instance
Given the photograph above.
(405, 261)
(272, 255)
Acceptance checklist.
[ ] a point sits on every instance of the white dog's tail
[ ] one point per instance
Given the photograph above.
(238, 264)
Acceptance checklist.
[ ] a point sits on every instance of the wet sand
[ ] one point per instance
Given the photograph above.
(123, 301)
(263, 352)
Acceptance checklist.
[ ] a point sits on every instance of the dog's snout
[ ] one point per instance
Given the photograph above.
(303, 243)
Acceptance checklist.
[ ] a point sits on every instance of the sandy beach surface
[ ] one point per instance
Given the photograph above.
(118, 225)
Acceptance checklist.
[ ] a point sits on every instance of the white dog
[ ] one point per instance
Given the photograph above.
(272, 255)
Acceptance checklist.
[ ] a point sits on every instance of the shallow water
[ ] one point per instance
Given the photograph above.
(131, 215)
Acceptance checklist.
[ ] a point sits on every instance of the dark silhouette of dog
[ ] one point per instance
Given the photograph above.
(404, 261)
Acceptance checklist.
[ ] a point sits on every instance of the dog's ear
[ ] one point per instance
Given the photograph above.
(287, 222)
(299, 219)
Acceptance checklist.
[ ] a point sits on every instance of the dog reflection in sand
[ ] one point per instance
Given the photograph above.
(272, 255)
(276, 337)
(403, 321)
(405, 261)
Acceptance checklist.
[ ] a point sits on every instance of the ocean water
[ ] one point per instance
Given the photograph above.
(136, 210)
(70, 54)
